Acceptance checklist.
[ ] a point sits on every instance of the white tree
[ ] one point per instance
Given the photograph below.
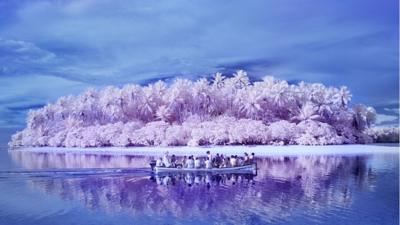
(307, 112)
(163, 113)
(241, 79)
(343, 96)
(218, 80)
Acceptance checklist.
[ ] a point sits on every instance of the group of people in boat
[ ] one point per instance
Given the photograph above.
(208, 162)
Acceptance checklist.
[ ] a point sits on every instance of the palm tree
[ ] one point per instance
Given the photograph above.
(279, 91)
(163, 113)
(343, 96)
(131, 98)
(359, 117)
(250, 105)
(218, 80)
(307, 112)
(146, 108)
(178, 97)
(241, 79)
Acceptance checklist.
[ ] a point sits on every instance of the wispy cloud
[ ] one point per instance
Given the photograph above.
(77, 44)
(382, 119)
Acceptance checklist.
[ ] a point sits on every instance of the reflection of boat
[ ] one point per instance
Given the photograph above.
(238, 169)
(208, 179)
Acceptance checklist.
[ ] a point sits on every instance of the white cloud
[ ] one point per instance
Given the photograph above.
(23, 52)
(381, 118)
(394, 110)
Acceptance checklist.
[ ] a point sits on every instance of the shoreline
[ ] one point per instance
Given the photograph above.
(259, 150)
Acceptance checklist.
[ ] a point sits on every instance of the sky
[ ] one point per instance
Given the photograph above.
(50, 49)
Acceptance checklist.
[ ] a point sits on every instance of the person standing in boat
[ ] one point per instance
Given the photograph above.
(209, 156)
(197, 163)
(208, 164)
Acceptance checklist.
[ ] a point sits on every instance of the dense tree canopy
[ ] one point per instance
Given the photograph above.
(222, 111)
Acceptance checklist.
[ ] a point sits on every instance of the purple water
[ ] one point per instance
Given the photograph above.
(68, 188)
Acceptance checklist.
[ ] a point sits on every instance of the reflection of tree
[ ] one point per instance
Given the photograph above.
(319, 176)
(283, 186)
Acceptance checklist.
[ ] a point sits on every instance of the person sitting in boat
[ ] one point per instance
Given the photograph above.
(173, 161)
(208, 164)
(240, 161)
(233, 160)
(190, 162)
(222, 161)
(216, 161)
(246, 159)
(197, 163)
(251, 158)
(159, 162)
(184, 162)
(166, 160)
(226, 163)
(152, 163)
(219, 160)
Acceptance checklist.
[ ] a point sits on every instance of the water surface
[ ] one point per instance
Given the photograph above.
(76, 188)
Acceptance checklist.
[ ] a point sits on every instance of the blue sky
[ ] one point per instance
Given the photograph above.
(54, 48)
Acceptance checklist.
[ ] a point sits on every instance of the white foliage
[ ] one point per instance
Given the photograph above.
(228, 110)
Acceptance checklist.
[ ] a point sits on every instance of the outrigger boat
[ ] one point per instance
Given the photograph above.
(237, 169)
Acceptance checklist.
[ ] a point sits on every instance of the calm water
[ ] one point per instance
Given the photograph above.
(71, 188)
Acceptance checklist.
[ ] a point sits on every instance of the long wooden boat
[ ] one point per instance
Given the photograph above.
(238, 169)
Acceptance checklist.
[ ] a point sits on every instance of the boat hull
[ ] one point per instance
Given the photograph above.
(239, 169)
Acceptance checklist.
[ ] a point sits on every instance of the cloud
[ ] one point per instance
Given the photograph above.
(16, 55)
(23, 51)
(97, 43)
(393, 110)
(382, 119)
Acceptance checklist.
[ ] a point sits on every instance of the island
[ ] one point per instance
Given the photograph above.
(226, 110)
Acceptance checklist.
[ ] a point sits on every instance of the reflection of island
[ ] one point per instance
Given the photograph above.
(55, 160)
(283, 185)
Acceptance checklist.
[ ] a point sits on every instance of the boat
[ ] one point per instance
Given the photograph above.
(252, 168)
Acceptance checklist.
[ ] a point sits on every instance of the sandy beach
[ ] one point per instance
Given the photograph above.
(259, 150)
